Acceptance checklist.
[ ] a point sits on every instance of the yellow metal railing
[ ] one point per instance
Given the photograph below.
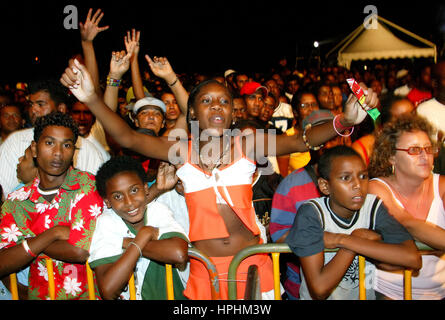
(51, 284)
(407, 282)
(193, 253)
(361, 278)
(90, 281)
(273, 248)
(276, 248)
(14, 287)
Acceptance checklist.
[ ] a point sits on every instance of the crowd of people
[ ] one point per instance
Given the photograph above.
(129, 169)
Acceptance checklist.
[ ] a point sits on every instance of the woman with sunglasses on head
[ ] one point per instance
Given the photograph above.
(402, 164)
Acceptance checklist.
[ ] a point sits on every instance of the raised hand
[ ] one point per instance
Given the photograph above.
(119, 64)
(132, 43)
(161, 68)
(77, 78)
(90, 29)
(166, 177)
(354, 114)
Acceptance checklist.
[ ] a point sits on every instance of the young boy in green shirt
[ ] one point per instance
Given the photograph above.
(133, 235)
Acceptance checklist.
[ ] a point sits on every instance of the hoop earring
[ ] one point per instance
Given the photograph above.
(392, 169)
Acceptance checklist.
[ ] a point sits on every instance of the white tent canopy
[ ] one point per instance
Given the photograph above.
(380, 43)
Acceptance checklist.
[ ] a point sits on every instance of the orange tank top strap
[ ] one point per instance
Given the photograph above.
(365, 153)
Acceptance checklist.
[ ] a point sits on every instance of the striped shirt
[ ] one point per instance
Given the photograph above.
(292, 192)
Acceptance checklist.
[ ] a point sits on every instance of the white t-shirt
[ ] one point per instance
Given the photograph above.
(98, 132)
(100, 148)
(434, 112)
(176, 203)
(106, 244)
(282, 117)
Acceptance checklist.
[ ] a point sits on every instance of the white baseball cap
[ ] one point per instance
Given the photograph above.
(149, 101)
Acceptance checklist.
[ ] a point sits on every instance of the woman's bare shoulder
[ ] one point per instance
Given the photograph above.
(378, 187)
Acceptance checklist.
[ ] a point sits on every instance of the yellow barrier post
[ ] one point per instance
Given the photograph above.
(132, 287)
(361, 278)
(251, 250)
(51, 285)
(169, 281)
(14, 288)
(90, 279)
(407, 292)
(276, 275)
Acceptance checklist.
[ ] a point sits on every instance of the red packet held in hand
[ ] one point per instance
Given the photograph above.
(361, 96)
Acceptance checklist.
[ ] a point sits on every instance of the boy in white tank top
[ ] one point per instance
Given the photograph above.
(352, 221)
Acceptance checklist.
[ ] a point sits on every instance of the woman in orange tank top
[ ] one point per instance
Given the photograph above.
(213, 150)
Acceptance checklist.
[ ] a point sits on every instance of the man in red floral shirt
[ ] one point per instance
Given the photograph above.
(54, 215)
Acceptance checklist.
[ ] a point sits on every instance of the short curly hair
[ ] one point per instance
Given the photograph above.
(55, 119)
(115, 166)
(386, 140)
(327, 159)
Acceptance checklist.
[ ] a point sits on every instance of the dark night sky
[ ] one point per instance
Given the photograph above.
(195, 35)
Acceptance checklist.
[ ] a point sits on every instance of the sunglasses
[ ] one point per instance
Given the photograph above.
(414, 151)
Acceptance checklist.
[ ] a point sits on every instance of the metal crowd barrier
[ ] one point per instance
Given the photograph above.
(273, 248)
(90, 281)
(192, 252)
(211, 268)
(276, 248)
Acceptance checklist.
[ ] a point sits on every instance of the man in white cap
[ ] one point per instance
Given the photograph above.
(229, 81)
(148, 113)
(404, 80)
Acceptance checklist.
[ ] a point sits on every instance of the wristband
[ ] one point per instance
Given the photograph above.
(173, 83)
(140, 251)
(28, 249)
(337, 122)
(306, 142)
(113, 82)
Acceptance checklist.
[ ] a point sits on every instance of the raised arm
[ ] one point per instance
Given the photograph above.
(132, 42)
(119, 64)
(88, 31)
(166, 180)
(162, 69)
(318, 134)
(78, 79)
